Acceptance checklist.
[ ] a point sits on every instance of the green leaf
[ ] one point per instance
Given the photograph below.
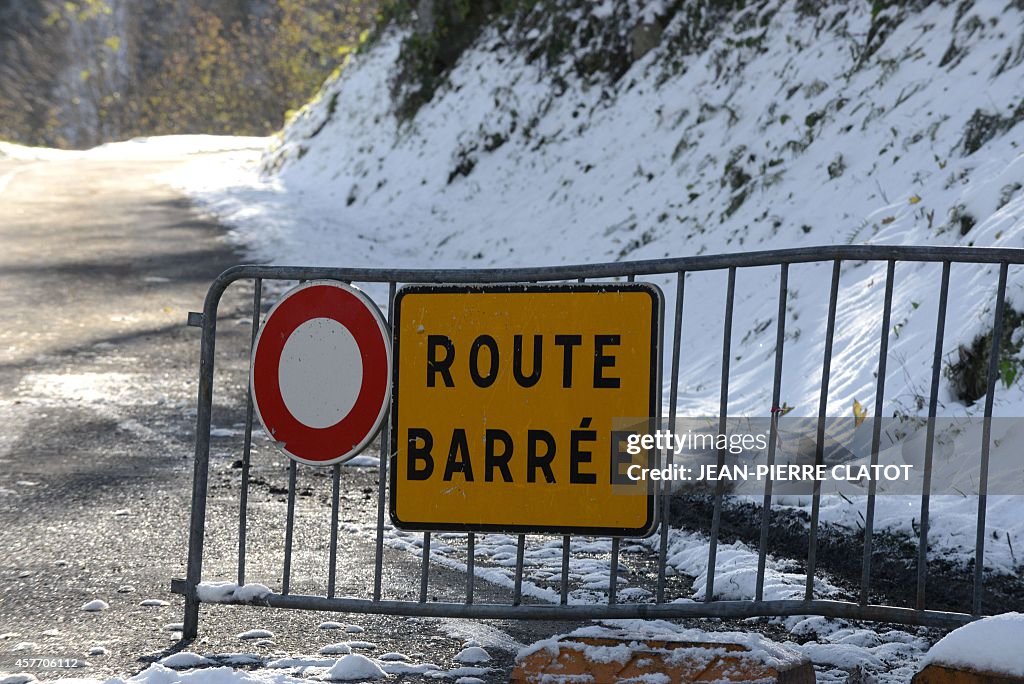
(1008, 371)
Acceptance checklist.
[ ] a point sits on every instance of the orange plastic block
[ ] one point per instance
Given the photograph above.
(605, 660)
(940, 674)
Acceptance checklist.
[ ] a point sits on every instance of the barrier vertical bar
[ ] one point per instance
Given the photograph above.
(470, 566)
(876, 433)
(243, 500)
(723, 409)
(200, 471)
(826, 371)
(335, 506)
(673, 397)
(613, 573)
(286, 572)
(289, 530)
(993, 372)
(563, 587)
(517, 592)
(382, 470)
(773, 432)
(929, 446)
(425, 567)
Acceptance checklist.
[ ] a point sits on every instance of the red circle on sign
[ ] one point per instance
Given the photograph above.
(353, 310)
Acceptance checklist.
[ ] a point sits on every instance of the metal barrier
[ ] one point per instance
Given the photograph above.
(614, 608)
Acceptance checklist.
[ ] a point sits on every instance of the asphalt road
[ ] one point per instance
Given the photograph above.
(100, 263)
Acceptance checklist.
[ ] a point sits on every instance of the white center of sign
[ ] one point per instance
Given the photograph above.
(320, 373)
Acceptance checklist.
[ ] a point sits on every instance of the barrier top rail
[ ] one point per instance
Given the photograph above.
(797, 255)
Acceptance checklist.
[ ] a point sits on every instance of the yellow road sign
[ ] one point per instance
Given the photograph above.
(508, 407)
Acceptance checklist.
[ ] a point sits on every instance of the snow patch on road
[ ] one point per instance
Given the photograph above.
(336, 649)
(473, 655)
(19, 678)
(476, 633)
(256, 634)
(331, 625)
(184, 660)
(352, 667)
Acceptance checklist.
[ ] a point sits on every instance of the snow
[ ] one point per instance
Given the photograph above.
(354, 666)
(153, 603)
(759, 648)
(251, 592)
(403, 668)
(472, 655)
(362, 645)
(256, 634)
(500, 550)
(222, 592)
(97, 650)
(19, 678)
(736, 570)
(477, 633)
(363, 461)
(184, 660)
(142, 149)
(336, 649)
(331, 625)
(215, 592)
(841, 656)
(159, 674)
(95, 606)
(458, 672)
(991, 644)
(236, 658)
(394, 656)
(109, 394)
(300, 662)
(687, 553)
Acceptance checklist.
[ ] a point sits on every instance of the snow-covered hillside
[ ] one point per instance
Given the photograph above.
(783, 124)
(789, 128)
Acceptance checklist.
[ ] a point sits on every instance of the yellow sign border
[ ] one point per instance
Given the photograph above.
(654, 411)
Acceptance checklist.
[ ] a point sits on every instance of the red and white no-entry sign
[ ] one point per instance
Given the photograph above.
(321, 372)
